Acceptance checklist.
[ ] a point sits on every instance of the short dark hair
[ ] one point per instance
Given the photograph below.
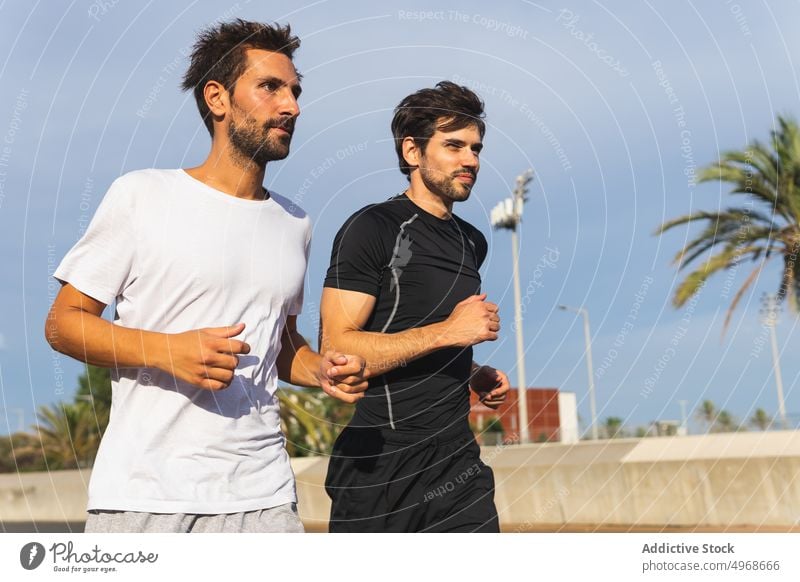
(219, 55)
(446, 107)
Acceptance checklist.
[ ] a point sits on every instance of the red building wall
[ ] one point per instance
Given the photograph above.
(543, 419)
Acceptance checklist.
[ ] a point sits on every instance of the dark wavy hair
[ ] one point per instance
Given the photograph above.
(446, 107)
(219, 55)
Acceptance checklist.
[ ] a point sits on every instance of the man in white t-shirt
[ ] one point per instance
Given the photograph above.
(206, 268)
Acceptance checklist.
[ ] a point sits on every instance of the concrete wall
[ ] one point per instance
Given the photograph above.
(57, 496)
(744, 480)
(747, 479)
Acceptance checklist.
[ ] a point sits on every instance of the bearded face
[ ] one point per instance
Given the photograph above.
(456, 185)
(259, 143)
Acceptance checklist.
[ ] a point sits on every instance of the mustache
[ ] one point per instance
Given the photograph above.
(286, 123)
(462, 171)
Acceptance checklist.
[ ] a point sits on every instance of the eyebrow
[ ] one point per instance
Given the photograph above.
(461, 143)
(296, 88)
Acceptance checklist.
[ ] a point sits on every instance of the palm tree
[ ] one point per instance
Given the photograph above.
(20, 452)
(94, 388)
(727, 423)
(707, 413)
(67, 435)
(304, 423)
(336, 412)
(769, 176)
(760, 419)
(613, 427)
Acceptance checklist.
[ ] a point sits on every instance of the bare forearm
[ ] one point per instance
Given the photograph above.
(91, 339)
(384, 352)
(297, 362)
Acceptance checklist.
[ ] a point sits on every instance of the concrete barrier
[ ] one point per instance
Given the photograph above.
(726, 481)
(735, 481)
(56, 496)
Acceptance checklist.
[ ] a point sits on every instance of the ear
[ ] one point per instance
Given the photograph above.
(412, 154)
(217, 98)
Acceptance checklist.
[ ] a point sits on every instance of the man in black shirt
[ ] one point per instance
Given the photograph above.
(403, 290)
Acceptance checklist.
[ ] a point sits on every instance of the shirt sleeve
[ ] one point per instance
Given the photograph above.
(101, 262)
(359, 255)
(296, 308)
(481, 247)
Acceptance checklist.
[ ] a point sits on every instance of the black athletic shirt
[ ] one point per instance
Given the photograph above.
(418, 267)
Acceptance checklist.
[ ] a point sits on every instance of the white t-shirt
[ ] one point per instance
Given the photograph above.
(178, 255)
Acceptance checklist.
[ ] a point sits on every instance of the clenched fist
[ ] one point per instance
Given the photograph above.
(343, 376)
(206, 358)
(473, 320)
(490, 385)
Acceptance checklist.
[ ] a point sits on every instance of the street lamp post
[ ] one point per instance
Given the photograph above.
(769, 317)
(684, 430)
(508, 214)
(587, 336)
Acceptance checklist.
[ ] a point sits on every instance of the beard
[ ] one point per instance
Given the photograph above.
(446, 185)
(255, 143)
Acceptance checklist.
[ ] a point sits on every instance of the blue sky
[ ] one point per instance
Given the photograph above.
(613, 104)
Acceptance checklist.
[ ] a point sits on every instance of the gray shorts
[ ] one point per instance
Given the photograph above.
(280, 519)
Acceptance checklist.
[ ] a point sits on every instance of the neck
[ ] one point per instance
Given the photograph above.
(227, 173)
(419, 194)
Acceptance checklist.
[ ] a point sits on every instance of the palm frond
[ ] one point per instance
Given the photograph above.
(790, 282)
(695, 280)
(304, 422)
(739, 294)
(769, 174)
(67, 435)
(731, 226)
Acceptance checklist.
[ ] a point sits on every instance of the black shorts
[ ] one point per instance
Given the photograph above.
(388, 481)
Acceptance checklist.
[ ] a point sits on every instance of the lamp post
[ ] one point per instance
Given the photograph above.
(684, 430)
(588, 339)
(508, 214)
(769, 317)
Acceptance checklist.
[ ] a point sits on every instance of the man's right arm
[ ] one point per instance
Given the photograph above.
(344, 313)
(204, 357)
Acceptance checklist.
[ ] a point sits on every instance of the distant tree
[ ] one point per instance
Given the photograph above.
(707, 414)
(492, 434)
(67, 434)
(494, 425)
(20, 452)
(613, 427)
(94, 388)
(304, 423)
(760, 419)
(336, 412)
(665, 428)
(726, 422)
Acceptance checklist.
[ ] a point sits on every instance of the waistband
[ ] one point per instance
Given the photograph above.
(439, 436)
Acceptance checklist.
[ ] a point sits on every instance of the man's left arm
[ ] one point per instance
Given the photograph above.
(489, 384)
(339, 375)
